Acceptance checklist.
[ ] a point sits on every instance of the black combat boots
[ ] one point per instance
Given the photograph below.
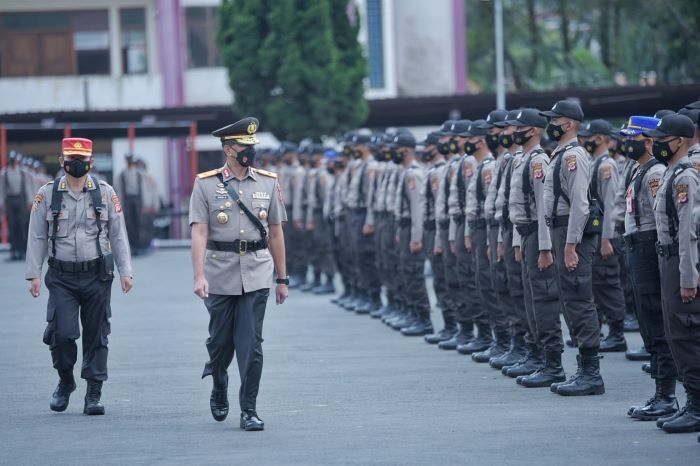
(218, 403)
(532, 361)
(513, 356)
(482, 341)
(553, 388)
(251, 422)
(327, 288)
(551, 372)
(589, 381)
(93, 407)
(638, 355)
(663, 403)
(445, 334)
(308, 286)
(61, 396)
(422, 326)
(462, 337)
(499, 347)
(685, 420)
(615, 341)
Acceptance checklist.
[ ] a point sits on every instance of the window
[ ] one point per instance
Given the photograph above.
(202, 49)
(54, 43)
(375, 43)
(132, 23)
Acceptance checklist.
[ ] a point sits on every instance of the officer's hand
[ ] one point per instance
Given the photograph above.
(518, 254)
(127, 284)
(606, 248)
(437, 250)
(281, 293)
(500, 251)
(415, 247)
(367, 229)
(570, 257)
(201, 287)
(310, 227)
(468, 243)
(35, 287)
(453, 247)
(688, 294)
(545, 260)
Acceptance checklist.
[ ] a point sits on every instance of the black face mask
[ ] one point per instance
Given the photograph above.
(505, 140)
(662, 151)
(492, 141)
(357, 154)
(378, 156)
(246, 157)
(347, 151)
(443, 147)
(555, 132)
(619, 148)
(388, 155)
(521, 137)
(635, 149)
(397, 157)
(590, 146)
(76, 168)
(427, 156)
(469, 148)
(454, 146)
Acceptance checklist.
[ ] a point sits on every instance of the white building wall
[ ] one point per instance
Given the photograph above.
(207, 86)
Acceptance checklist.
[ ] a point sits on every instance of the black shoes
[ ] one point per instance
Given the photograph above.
(250, 421)
(631, 324)
(588, 381)
(532, 361)
(615, 341)
(328, 288)
(685, 420)
(61, 396)
(445, 334)
(552, 372)
(462, 337)
(423, 326)
(662, 404)
(514, 355)
(481, 343)
(93, 407)
(218, 402)
(646, 367)
(638, 355)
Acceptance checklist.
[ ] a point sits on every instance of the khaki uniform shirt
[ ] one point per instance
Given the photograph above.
(430, 190)
(11, 184)
(608, 184)
(626, 174)
(409, 204)
(231, 273)
(467, 167)
(686, 195)
(77, 228)
(127, 183)
(642, 202)
(575, 177)
(361, 189)
(475, 209)
(537, 162)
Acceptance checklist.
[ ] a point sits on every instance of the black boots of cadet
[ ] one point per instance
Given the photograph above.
(663, 403)
(61, 396)
(615, 341)
(551, 372)
(93, 406)
(449, 331)
(686, 419)
(587, 380)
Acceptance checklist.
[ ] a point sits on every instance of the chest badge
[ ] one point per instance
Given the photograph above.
(263, 215)
(221, 191)
(222, 218)
(261, 195)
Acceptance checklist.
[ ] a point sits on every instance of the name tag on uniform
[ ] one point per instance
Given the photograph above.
(261, 195)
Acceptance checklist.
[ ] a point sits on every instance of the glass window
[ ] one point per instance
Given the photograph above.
(133, 37)
(375, 43)
(201, 24)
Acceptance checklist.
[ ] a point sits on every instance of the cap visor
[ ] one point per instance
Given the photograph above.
(584, 134)
(655, 133)
(550, 114)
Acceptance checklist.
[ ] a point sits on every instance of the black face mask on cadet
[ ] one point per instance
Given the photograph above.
(521, 137)
(662, 150)
(76, 168)
(492, 140)
(590, 146)
(635, 149)
(246, 157)
(555, 132)
(505, 140)
(397, 157)
(454, 146)
(427, 156)
(469, 148)
(443, 147)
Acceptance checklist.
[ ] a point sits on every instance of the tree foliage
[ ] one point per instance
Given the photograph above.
(296, 64)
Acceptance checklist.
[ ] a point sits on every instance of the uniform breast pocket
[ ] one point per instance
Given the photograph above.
(61, 227)
(91, 223)
(220, 215)
(261, 210)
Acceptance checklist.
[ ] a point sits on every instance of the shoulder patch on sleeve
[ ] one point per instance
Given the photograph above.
(606, 171)
(411, 183)
(208, 174)
(117, 204)
(654, 186)
(681, 193)
(38, 199)
(571, 162)
(265, 173)
(488, 176)
(537, 170)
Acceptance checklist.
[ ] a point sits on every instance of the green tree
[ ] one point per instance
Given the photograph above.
(298, 62)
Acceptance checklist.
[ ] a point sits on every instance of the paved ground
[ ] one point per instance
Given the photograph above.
(337, 389)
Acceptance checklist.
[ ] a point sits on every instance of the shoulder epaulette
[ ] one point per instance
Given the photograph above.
(265, 173)
(208, 174)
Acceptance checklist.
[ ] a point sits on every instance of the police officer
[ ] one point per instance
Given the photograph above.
(290, 179)
(78, 222)
(236, 213)
(677, 228)
(409, 219)
(567, 205)
(15, 199)
(694, 143)
(342, 244)
(151, 205)
(607, 289)
(130, 185)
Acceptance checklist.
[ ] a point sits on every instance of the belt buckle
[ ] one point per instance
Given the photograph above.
(242, 247)
(659, 249)
(548, 221)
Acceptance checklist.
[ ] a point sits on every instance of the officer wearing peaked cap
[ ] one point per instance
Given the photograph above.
(236, 213)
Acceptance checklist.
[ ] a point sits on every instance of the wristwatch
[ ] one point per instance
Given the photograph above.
(283, 281)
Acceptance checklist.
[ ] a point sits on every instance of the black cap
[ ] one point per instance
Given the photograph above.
(404, 140)
(565, 108)
(528, 117)
(361, 138)
(241, 132)
(599, 126)
(459, 127)
(129, 157)
(673, 125)
(692, 113)
(477, 128)
(512, 114)
(347, 137)
(376, 140)
(496, 118)
(432, 138)
(662, 113)
(446, 128)
(693, 105)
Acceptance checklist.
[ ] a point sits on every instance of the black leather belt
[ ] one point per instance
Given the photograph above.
(558, 221)
(493, 223)
(404, 222)
(506, 224)
(429, 225)
(667, 250)
(359, 210)
(641, 237)
(73, 267)
(459, 219)
(477, 224)
(239, 246)
(527, 228)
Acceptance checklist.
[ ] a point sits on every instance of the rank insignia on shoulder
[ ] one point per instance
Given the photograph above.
(209, 174)
(265, 173)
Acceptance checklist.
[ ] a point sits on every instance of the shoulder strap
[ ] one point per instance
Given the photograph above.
(671, 211)
(594, 178)
(446, 186)
(96, 195)
(56, 200)
(641, 173)
(527, 184)
(361, 185)
(556, 182)
(480, 196)
(234, 195)
(461, 188)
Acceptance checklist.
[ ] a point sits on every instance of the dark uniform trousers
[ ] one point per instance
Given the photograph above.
(437, 265)
(682, 324)
(364, 254)
(646, 286)
(469, 306)
(449, 263)
(343, 249)
(626, 281)
(541, 297)
(520, 325)
(576, 288)
(487, 294)
(17, 223)
(607, 288)
(391, 261)
(412, 271)
(381, 253)
(75, 300)
(499, 280)
(132, 217)
(235, 325)
(295, 255)
(322, 250)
